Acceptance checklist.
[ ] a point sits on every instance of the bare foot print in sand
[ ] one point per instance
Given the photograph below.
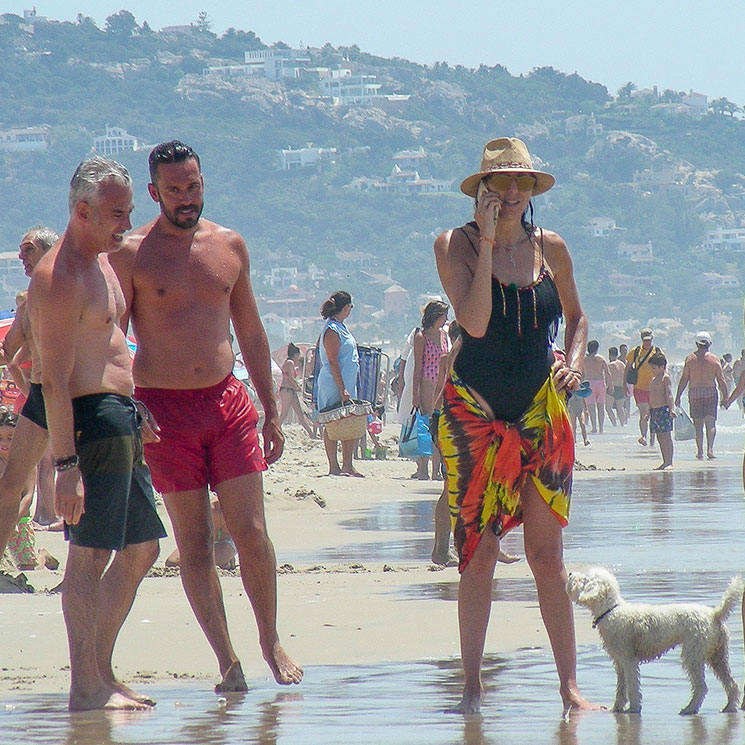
(233, 681)
(285, 671)
(105, 698)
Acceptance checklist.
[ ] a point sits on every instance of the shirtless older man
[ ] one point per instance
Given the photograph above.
(703, 371)
(186, 279)
(30, 437)
(103, 490)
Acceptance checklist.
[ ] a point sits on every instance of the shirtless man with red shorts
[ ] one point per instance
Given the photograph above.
(185, 280)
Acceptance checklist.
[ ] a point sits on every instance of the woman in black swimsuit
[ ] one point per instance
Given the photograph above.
(504, 429)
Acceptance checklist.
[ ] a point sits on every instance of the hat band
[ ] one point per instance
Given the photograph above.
(508, 166)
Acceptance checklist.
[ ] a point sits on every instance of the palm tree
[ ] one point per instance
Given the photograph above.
(625, 90)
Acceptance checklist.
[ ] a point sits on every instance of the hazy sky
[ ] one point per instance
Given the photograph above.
(678, 44)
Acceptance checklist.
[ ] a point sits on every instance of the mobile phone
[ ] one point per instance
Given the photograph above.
(483, 188)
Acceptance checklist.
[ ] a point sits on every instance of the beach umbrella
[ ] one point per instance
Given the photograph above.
(5, 324)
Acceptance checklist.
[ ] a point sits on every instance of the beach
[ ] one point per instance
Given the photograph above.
(357, 588)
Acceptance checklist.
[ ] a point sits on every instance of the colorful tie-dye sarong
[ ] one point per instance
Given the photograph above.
(489, 460)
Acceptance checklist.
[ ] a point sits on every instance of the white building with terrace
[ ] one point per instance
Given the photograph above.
(719, 239)
(116, 140)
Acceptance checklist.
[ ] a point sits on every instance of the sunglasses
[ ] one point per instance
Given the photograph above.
(502, 181)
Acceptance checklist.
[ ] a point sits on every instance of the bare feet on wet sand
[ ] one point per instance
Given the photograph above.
(127, 692)
(448, 559)
(574, 701)
(663, 466)
(104, 698)
(285, 671)
(469, 704)
(233, 681)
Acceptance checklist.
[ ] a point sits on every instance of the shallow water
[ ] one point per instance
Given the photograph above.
(667, 536)
(395, 703)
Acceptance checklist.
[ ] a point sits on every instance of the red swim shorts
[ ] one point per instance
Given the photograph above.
(640, 396)
(207, 435)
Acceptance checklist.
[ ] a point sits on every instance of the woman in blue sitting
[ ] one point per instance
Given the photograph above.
(337, 377)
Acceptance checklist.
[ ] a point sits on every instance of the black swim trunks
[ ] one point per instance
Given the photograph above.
(34, 409)
(119, 499)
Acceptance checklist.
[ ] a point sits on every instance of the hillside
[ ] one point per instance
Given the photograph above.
(663, 167)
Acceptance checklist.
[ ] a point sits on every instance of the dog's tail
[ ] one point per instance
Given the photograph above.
(731, 595)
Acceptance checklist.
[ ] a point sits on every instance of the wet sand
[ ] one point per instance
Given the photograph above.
(375, 625)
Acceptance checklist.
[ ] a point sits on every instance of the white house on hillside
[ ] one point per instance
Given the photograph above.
(724, 238)
(637, 252)
(345, 89)
(27, 139)
(697, 105)
(602, 227)
(277, 63)
(304, 157)
(116, 140)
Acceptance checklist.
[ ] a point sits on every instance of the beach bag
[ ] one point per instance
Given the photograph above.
(346, 422)
(683, 426)
(415, 440)
(632, 375)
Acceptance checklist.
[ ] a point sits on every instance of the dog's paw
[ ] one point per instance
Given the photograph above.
(688, 710)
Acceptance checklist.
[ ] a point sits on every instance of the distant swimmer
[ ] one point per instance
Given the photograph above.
(186, 280)
(702, 373)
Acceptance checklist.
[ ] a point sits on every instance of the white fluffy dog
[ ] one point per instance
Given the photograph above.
(633, 633)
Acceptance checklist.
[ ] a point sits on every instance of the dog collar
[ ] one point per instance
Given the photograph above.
(603, 615)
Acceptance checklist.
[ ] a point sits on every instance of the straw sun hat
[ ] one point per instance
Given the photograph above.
(507, 155)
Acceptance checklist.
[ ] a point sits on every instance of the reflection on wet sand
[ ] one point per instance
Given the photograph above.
(668, 536)
(394, 703)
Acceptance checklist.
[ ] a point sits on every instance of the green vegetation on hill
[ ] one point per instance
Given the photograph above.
(77, 78)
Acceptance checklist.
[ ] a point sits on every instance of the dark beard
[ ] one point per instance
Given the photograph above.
(178, 221)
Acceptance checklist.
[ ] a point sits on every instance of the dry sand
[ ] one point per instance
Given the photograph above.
(350, 612)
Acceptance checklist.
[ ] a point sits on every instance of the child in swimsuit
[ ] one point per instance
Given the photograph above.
(661, 408)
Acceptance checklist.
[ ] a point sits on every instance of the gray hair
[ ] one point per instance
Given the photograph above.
(90, 174)
(46, 237)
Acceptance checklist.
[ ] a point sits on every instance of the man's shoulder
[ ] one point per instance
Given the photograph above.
(207, 227)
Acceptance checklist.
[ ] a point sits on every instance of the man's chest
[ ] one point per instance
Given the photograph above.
(195, 277)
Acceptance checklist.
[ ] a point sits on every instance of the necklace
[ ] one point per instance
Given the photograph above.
(509, 251)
